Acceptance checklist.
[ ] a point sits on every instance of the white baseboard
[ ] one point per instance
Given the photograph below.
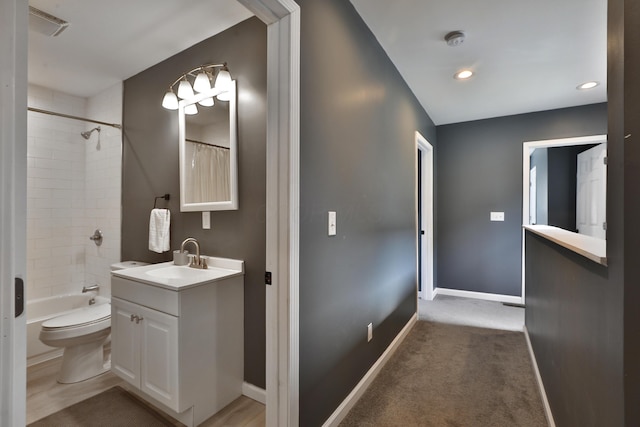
(349, 402)
(253, 392)
(478, 295)
(543, 393)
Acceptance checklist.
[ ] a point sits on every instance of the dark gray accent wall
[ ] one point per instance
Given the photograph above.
(576, 334)
(479, 171)
(150, 168)
(583, 319)
(358, 158)
(562, 169)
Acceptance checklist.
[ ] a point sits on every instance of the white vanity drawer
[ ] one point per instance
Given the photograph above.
(164, 300)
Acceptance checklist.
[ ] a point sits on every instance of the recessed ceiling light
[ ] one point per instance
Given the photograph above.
(587, 85)
(463, 75)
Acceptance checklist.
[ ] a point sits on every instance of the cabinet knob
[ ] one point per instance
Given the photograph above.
(139, 319)
(133, 317)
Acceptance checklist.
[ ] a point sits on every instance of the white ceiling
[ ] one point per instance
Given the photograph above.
(109, 41)
(527, 55)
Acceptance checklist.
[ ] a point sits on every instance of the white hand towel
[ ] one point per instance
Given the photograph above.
(159, 222)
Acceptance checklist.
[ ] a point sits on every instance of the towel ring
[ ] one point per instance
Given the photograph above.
(166, 197)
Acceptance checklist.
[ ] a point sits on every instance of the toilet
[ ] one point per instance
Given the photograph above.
(83, 334)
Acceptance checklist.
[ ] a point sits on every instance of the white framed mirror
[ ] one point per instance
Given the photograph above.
(208, 152)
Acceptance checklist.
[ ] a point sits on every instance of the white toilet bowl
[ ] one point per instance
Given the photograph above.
(82, 334)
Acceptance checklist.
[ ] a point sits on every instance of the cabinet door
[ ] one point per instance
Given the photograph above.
(125, 341)
(159, 357)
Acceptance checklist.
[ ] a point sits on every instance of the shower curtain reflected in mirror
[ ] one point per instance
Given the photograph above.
(208, 173)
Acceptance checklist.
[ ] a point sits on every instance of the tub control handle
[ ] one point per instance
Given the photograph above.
(97, 237)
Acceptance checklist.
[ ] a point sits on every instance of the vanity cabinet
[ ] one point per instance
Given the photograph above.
(180, 349)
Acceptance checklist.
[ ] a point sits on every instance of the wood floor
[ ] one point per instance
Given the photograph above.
(45, 396)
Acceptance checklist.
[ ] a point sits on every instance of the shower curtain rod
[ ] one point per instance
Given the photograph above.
(68, 116)
(206, 143)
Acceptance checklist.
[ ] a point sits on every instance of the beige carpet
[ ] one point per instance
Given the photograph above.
(112, 408)
(451, 375)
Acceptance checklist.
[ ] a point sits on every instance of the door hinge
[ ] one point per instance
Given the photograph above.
(267, 278)
(605, 160)
(604, 226)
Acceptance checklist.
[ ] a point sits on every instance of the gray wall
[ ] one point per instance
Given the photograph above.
(583, 319)
(563, 167)
(479, 171)
(150, 169)
(358, 157)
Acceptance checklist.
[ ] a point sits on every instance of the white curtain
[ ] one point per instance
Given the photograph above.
(207, 173)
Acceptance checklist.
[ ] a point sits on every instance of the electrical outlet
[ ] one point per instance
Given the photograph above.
(206, 220)
(369, 332)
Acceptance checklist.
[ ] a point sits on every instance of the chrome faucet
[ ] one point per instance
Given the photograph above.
(196, 261)
(90, 288)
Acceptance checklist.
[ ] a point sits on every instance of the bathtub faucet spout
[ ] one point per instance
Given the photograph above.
(90, 288)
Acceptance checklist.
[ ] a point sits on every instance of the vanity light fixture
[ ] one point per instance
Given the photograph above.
(202, 77)
(587, 85)
(463, 74)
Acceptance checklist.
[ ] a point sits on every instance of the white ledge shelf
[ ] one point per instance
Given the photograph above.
(587, 246)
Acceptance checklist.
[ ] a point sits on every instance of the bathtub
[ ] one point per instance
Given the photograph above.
(41, 309)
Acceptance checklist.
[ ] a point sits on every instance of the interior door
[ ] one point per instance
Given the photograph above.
(533, 196)
(591, 192)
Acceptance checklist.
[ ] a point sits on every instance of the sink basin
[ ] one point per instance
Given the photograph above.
(178, 272)
(176, 277)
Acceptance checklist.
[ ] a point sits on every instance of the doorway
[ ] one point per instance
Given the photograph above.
(424, 201)
(283, 20)
(541, 215)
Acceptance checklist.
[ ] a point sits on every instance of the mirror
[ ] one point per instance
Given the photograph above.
(208, 153)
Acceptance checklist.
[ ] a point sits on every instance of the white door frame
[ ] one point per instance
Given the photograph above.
(283, 89)
(527, 149)
(13, 198)
(424, 149)
(283, 207)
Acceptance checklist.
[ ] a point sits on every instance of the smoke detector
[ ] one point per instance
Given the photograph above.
(454, 38)
(44, 23)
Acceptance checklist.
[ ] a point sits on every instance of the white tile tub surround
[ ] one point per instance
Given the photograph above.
(103, 186)
(72, 189)
(55, 195)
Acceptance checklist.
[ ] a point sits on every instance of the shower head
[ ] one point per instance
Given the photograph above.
(88, 133)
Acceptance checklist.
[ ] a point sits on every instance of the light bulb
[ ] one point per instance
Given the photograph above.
(223, 80)
(191, 109)
(207, 102)
(462, 75)
(170, 100)
(185, 91)
(202, 83)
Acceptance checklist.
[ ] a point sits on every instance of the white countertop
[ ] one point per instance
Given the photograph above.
(167, 275)
(590, 247)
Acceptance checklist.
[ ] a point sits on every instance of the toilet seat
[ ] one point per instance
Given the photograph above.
(79, 318)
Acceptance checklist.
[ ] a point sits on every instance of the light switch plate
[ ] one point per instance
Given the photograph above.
(206, 220)
(332, 223)
(497, 216)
